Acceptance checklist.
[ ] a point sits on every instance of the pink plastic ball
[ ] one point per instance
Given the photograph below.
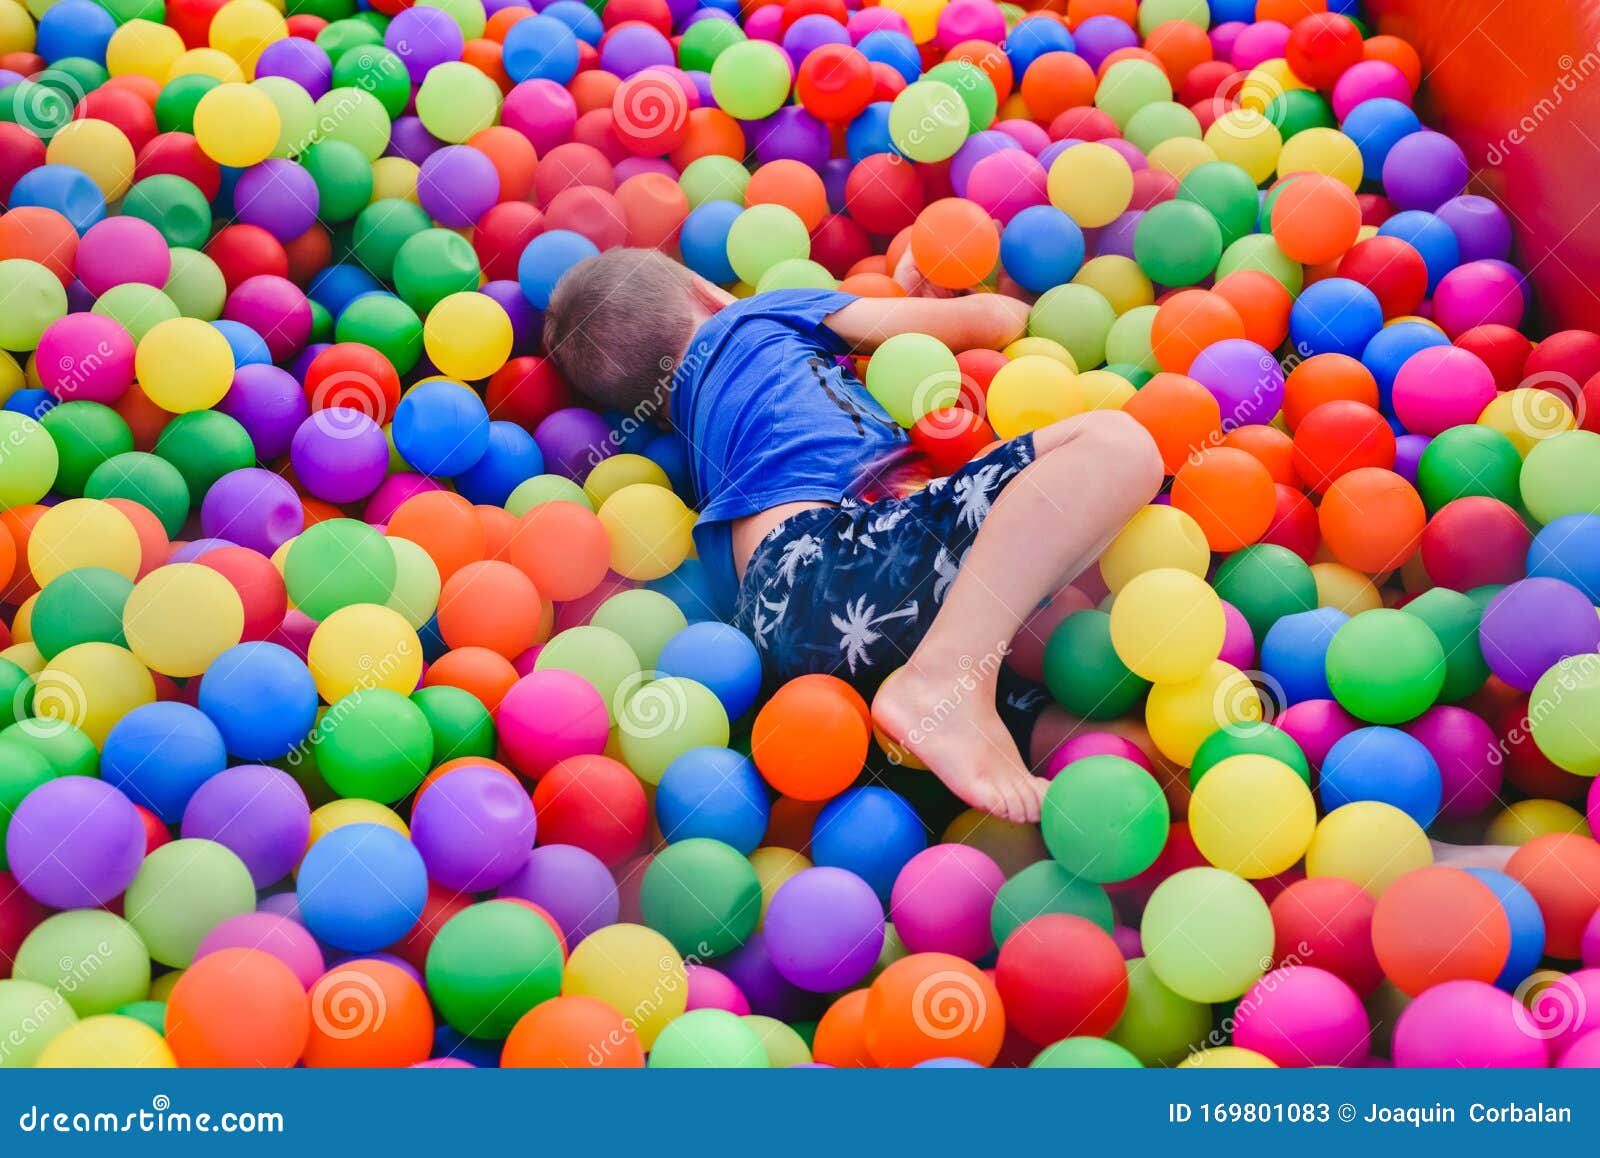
(1088, 744)
(971, 20)
(1566, 1010)
(542, 111)
(710, 989)
(942, 898)
(548, 716)
(1467, 1024)
(1584, 1055)
(1131, 153)
(1030, 136)
(393, 491)
(275, 308)
(1259, 43)
(1238, 641)
(285, 939)
(1003, 184)
(876, 20)
(1128, 942)
(1467, 751)
(118, 250)
(1589, 947)
(1441, 387)
(765, 23)
(85, 357)
(1316, 725)
(1592, 806)
(1479, 293)
(1303, 1016)
(1369, 80)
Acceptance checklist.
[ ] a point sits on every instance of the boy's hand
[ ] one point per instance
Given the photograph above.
(911, 279)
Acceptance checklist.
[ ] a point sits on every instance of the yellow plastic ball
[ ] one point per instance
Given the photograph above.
(1119, 280)
(774, 867)
(611, 474)
(161, 988)
(184, 364)
(394, 179)
(921, 15)
(1159, 536)
(17, 29)
(181, 617)
(1368, 842)
(236, 125)
(1167, 625)
(26, 656)
(22, 625)
(1181, 715)
(1526, 819)
(92, 686)
(82, 533)
(1345, 588)
(207, 62)
(143, 48)
(634, 970)
(1227, 1057)
(1181, 156)
(99, 150)
(1036, 345)
(12, 376)
(1247, 139)
(650, 531)
(1252, 815)
(1105, 390)
(1322, 150)
(244, 28)
(1091, 183)
(364, 646)
(1265, 83)
(1031, 392)
(107, 1041)
(353, 810)
(1527, 415)
(467, 336)
(1011, 845)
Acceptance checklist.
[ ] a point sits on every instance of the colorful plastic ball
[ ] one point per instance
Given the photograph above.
(258, 812)
(184, 364)
(261, 698)
(809, 739)
(871, 832)
(1252, 815)
(1467, 1023)
(630, 968)
(932, 1005)
(337, 563)
(1206, 934)
(708, 1038)
(1047, 1005)
(824, 929)
(1167, 625)
(572, 885)
(1303, 1015)
(74, 842)
(750, 79)
(182, 891)
(573, 1032)
(928, 121)
(1229, 493)
(237, 125)
(1385, 666)
(649, 528)
(1085, 1053)
(34, 1015)
(473, 828)
(361, 887)
(1440, 924)
(374, 744)
(238, 1008)
(1104, 818)
(1532, 624)
(1335, 316)
(1091, 183)
(549, 716)
(368, 1013)
(942, 900)
(1177, 243)
(181, 617)
(1382, 764)
(1369, 843)
(712, 793)
(159, 754)
(662, 719)
(546, 258)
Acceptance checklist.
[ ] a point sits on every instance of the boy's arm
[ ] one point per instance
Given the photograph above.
(977, 321)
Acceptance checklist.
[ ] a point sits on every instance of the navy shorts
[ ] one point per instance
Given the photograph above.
(850, 591)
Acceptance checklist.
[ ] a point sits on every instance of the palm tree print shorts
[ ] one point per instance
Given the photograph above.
(851, 590)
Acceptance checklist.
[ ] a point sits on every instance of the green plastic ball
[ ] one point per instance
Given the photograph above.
(1162, 121)
(1128, 340)
(179, 96)
(83, 605)
(713, 178)
(1260, 251)
(31, 1015)
(136, 307)
(1128, 86)
(39, 108)
(346, 32)
(1469, 461)
(456, 100)
(296, 114)
(196, 286)
(1104, 818)
(91, 957)
(381, 228)
(87, 435)
(385, 323)
(1562, 709)
(337, 563)
(783, 1044)
(708, 1039)
(602, 657)
(21, 771)
(750, 79)
(1083, 672)
(1207, 934)
(762, 236)
(147, 479)
(1453, 617)
(1085, 1053)
(460, 724)
(31, 297)
(974, 88)
(1561, 476)
(16, 690)
(702, 895)
(1226, 192)
(374, 745)
(356, 117)
(432, 265)
(489, 965)
(1265, 582)
(1047, 887)
(1177, 243)
(644, 619)
(1157, 1025)
(545, 488)
(185, 889)
(65, 749)
(204, 445)
(1154, 13)
(152, 1013)
(1248, 739)
(705, 40)
(174, 206)
(376, 70)
(343, 176)
(911, 375)
(1300, 109)
(29, 466)
(1385, 666)
(1078, 318)
(796, 273)
(929, 121)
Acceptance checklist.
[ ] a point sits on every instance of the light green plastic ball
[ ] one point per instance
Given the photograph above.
(750, 79)
(91, 957)
(456, 101)
(929, 121)
(764, 235)
(713, 178)
(1128, 86)
(28, 467)
(545, 488)
(708, 1039)
(600, 656)
(1077, 317)
(31, 297)
(1207, 934)
(644, 619)
(185, 889)
(31, 1015)
(912, 374)
(662, 719)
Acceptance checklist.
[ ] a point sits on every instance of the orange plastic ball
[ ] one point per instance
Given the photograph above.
(809, 740)
(8, 556)
(1372, 519)
(955, 243)
(1289, 12)
(594, 88)
(483, 674)
(442, 524)
(1315, 218)
(872, 285)
(1262, 302)
(492, 605)
(1439, 924)
(1271, 447)
(1229, 493)
(1188, 322)
(499, 527)
(236, 1009)
(1078, 11)
(841, 1037)
(513, 156)
(1393, 50)
(654, 206)
(1562, 871)
(154, 547)
(1179, 413)
(18, 522)
(575, 1032)
(792, 184)
(487, 57)
(368, 1015)
(710, 133)
(563, 548)
(34, 233)
(1056, 82)
(1326, 378)
(1181, 47)
(496, 27)
(989, 57)
(932, 1005)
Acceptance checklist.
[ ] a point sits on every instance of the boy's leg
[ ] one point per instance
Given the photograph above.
(1090, 475)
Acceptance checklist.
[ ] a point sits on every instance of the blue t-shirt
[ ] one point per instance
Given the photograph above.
(771, 416)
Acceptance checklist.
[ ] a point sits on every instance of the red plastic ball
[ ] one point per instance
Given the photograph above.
(568, 166)
(589, 211)
(527, 390)
(834, 82)
(180, 155)
(20, 152)
(19, 914)
(1473, 541)
(655, 13)
(1573, 355)
(246, 251)
(1294, 523)
(1504, 350)
(883, 193)
(309, 254)
(1045, 1002)
(837, 243)
(501, 234)
(354, 376)
(1391, 269)
(951, 437)
(1338, 437)
(1327, 920)
(259, 584)
(122, 107)
(595, 803)
(1321, 47)
(650, 113)
(597, 128)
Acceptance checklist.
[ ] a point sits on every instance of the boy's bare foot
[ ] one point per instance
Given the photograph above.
(956, 732)
(1472, 856)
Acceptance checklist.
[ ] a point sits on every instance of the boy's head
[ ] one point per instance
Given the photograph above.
(618, 325)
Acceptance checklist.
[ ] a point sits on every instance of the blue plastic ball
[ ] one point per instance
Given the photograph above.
(64, 188)
(441, 428)
(75, 28)
(540, 48)
(895, 49)
(670, 451)
(689, 586)
(1569, 549)
(1041, 248)
(1386, 765)
(361, 887)
(546, 258)
(249, 348)
(159, 754)
(1390, 349)
(1375, 126)
(1335, 316)
(720, 657)
(868, 133)
(703, 240)
(262, 699)
(335, 287)
(578, 16)
(1031, 38)
(872, 832)
(715, 793)
(34, 401)
(1527, 926)
(1294, 651)
(512, 458)
(1430, 236)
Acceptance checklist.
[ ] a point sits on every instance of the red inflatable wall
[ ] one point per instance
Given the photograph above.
(1517, 82)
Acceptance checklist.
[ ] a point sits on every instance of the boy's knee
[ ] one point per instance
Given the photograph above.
(1124, 447)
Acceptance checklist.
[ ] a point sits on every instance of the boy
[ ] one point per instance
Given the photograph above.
(781, 438)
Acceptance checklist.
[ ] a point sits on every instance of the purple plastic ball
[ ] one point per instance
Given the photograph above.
(1245, 379)
(279, 196)
(409, 139)
(75, 843)
(792, 134)
(571, 884)
(1099, 36)
(269, 404)
(190, 551)
(422, 38)
(824, 929)
(457, 185)
(1480, 226)
(259, 812)
(1116, 238)
(300, 60)
(769, 993)
(474, 828)
(526, 322)
(255, 508)
(810, 33)
(573, 441)
(1534, 623)
(634, 47)
(339, 455)
(1408, 450)
(1424, 170)
(974, 149)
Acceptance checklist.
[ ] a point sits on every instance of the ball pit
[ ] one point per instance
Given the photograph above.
(349, 651)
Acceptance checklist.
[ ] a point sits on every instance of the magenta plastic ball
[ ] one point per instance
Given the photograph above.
(1533, 624)
(542, 111)
(260, 813)
(1316, 725)
(474, 828)
(1471, 765)
(339, 455)
(964, 20)
(1468, 1024)
(75, 843)
(457, 185)
(1440, 387)
(122, 249)
(548, 716)
(275, 308)
(572, 441)
(270, 404)
(1480, 293)
(1584, 1054)
(1566, 1010)
(712, 989)
(1006, 182)
(283, 937)
(254, 508)
(394, 490)
(1128, 941)
(1238, 641)
(1260, 43)
(824, 929)
(1030, 136)
(1369, 80)
(942, 899)
(85, 357)
(1303, 1016)
(1481, 227)
(571, 884)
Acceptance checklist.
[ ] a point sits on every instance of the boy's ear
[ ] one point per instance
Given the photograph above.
(709, 296)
